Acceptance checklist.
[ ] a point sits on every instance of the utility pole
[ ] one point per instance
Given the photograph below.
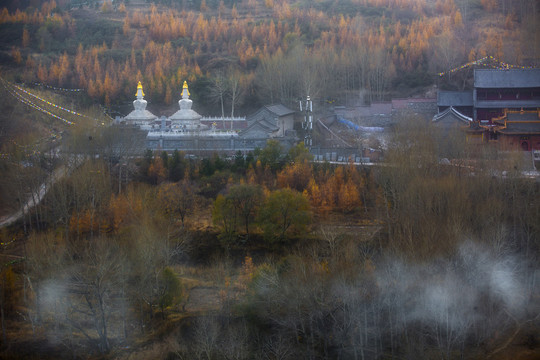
(307, 124)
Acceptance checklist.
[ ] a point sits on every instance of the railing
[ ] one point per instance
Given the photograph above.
(216, 119)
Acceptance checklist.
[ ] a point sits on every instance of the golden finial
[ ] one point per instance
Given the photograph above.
(139, 87)
(186, 87)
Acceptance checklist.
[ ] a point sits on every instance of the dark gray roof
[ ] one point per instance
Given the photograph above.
(455, 98)
(279, 109)
(512, 78)
(530, 128)
(508, 104)
(262, 124)
(521, 123)
(525, 116)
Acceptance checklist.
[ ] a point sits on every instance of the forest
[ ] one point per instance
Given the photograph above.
(268, 254)
(267, 51)
(272, 256)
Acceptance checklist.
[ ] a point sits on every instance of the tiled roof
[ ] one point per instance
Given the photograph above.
(374, 109)
(520, 123)
(279, 109)
(263, 124)
(512, 78)
(405, 103)
(530, 128)
(455, 98)
(525, 116)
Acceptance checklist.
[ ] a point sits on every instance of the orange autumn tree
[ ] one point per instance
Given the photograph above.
(313, 193)
(349, 197)
(157, 172)
(127, 209)
(87, 222)
(295, 176)
(337, 190)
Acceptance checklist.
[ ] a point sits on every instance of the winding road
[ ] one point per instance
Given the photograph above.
(35, 200)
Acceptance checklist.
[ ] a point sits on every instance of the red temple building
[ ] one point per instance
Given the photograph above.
(503, 106)
(517, 130)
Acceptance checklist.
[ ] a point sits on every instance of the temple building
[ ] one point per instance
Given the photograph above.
(494, 91)
(498, 90)
(188, 131)
(270, 121)
(517, 130)
(504, 104)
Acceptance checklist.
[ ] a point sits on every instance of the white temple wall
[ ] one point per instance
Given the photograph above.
(194, 144)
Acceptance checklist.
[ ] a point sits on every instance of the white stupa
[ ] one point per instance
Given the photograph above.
(186, 119)
(140, 116)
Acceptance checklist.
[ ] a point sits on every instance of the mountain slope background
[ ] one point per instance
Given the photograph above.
(347, 51)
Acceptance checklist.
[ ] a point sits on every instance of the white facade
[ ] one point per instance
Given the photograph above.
(184, 131)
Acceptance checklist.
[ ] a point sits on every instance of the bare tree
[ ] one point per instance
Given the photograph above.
(178, 198)
(76, 285)
(236, 89)
(219, 90)
(279, 79)
(93, 285)
(381, 71)
(246, 200)
(448, 52)
(268, 83)
(206, 338)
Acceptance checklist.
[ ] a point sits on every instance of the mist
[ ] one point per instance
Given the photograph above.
(467, 297)
(443, 308)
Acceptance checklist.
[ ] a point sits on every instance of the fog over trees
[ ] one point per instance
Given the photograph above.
(237, 260)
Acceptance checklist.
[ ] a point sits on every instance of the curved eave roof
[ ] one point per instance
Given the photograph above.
(451, 112)
(519, 132)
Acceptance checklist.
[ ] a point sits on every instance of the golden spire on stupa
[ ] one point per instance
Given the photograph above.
(139, 87)
(186, 87)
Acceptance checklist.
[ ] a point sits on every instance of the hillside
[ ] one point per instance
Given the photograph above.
(271, 51)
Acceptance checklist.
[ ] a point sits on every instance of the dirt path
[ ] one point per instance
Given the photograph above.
(34, 200)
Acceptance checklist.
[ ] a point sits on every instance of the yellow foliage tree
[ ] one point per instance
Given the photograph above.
(349, 197)
(295, 176)
(458, 19)
(157, 172)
